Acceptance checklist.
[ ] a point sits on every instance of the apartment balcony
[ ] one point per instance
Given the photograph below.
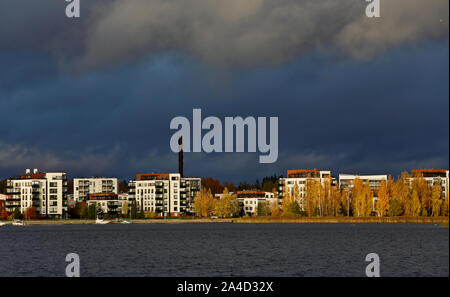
(12, 199)
(12, 206)
(12, 192)
(159, 184)
(159, 196)
(36, 185)
(159, 191)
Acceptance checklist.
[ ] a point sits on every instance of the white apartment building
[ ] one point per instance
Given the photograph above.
(82, 187)
(166, 194)
(46, 192)
(299, 177)
(249, 200)
(433, 175)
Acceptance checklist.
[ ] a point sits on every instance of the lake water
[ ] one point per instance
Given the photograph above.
(224, 249)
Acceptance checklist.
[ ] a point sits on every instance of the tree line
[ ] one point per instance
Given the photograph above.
(405, 196)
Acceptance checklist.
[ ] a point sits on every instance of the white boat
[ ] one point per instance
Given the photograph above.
(102, 222)
(125, 222)
(18, 223)
(3, 224)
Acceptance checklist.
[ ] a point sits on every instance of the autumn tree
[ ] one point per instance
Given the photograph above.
(311, 199)
(212, 184)
(290, 205)
(383, 203)
(262, 209)
(420, 185)
(413, 206)
(83, 210)
(204, 203)
(400, 196)
(345, 202)
(335, 202)
(227, 206)
(4, 214)
(445, 206)
(30, 213)
(125, 209)
(436, 199)
(362, 198)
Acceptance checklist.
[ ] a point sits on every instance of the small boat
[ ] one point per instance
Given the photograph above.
(3, 224)
(125, 222)
(102, 222)
(18, 223)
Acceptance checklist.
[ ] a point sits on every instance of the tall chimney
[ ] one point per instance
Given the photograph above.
(35, 170)
(27, 171)
(180, 156)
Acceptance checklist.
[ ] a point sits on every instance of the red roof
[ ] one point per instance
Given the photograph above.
(161, 176)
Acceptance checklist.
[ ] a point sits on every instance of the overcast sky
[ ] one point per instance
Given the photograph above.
(95, 95)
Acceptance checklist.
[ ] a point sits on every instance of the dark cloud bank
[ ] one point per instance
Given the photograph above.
(95, 96)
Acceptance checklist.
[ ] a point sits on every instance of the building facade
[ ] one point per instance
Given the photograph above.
(82, 187)
(166, 194)
(108, 203)
(46, 192)
(299, 177)
(249, 200)
(433, 175)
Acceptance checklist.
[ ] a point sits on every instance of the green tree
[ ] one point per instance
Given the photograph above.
(17, 214)
(134, 211)
(92, 211)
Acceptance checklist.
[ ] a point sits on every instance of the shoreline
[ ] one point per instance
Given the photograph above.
(259, 220)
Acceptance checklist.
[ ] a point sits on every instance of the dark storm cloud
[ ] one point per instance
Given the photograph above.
(228, 33)
(381, 116)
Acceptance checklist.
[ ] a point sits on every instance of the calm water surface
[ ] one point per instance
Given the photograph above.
(194, 249)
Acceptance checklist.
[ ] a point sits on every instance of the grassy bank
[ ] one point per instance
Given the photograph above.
(439, 220)
(146, 221)
(443, 221)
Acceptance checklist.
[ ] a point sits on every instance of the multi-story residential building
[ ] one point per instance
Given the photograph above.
(108, 203)
(299, 177)
(433, 175)
(82, 187)
(166, 194)
(46, 192)
(249, 200)
(346, 183)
